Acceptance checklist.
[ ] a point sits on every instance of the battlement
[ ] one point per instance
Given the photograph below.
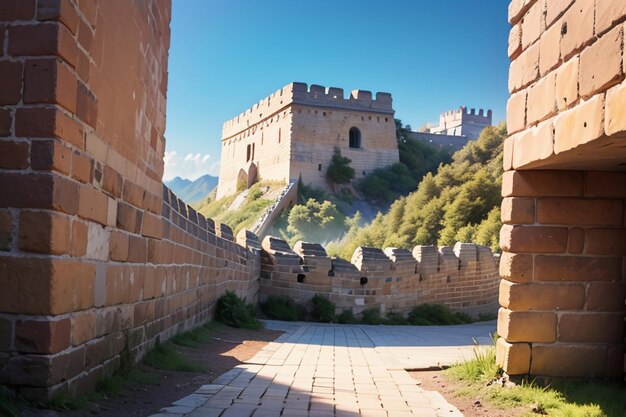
(463, 112)
(313, 95)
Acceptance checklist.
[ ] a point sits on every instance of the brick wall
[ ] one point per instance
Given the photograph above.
(97, 259)
(564, 238)
(465, 278)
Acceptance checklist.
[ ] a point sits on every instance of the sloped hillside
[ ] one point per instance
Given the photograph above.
(460, 203)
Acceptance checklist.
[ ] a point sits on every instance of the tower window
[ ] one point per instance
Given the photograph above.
(355, 137)
(248, 153)
(319, 167)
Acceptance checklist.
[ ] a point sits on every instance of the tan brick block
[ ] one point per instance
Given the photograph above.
(83, 327)
(42, 336)
(576, 240)
(516, 112)
(517, 9)
(607, 296)
(584, 212)
(44, 232)
(112, 182)
(517, 210)
(514, 358)
(567, 84)
(82, 168)
(601, 63)
(507, 159)
(516, 267)
(555, 9)
(591, 327)
(152, 226)
(79, 238)
(577, 268)
(605, 184)
(550, 50)
(577, 27)
(542, 183)
(568, 360)
(533, 239)
(541, 99)
(133, 194)
(580, 125)
(607, 13)
(533, 145)
(527, 326)
(615, 112)
(112, 212)
(533, 24)
(606, 242)
(525, 69)
(541, 296)
(137, 249)
(515, 42)
(93, 204)
(119, 246)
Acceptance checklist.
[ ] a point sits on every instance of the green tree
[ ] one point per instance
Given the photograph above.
(315, 221)
(339, 170)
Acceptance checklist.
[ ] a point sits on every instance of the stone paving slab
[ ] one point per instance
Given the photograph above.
(325, 370)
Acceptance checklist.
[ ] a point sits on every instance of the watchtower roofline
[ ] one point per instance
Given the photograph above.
(465, 115)
(316, 96)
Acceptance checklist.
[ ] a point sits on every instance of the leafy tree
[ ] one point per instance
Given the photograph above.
(339, 170)
(315, 221)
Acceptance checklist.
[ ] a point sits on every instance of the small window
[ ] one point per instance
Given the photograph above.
(279, 135)
(319, 167)
(248, 153)
(355, 137)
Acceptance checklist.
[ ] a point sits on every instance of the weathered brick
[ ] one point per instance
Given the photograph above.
(555, 9)
(89, 8)
(14, 155)
(605, 184)
(550, 49)
(87, 105)
(507, 157)
(137, 249)
(533, 145)
(541, 296)
(6, 230)
(591, 327)
(48, 123)
(129, 218)
(83, 327)
(542, 183)
(533, 239)
(6, 122)
(93, 204)
(568, 360)
(516, 112)
(576, 240)
(6, 335)
(46, 371)
(133, 194)
(579, 125)
(112, 182)
(584, 212)
(607, 296)
(50, 155)
(152, 226)
(82, 168)
(44, 232)
(518, 210)
(567, 84)
(61, 10)
(119, 246)
(514, 358)
(525, 69)
(43, 39)
(42, 336)
(607, 13)
(69, 286)
(542, 99)
(79, 238)
(17, 10)
(533, 24)
(601, 63)
(577, 27)
(49, 81)
(615, 111)
(10, 82)
(516, 267)
(515, 42)
(517, 9)
(527, 326)
(606, 242)
(577, 268)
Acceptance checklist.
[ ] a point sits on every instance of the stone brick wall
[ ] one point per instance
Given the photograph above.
(564, 237)
(465, 278)
(293, 132)
(97, 259)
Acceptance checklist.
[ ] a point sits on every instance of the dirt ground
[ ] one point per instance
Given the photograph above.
(469, 406)
(228, 348)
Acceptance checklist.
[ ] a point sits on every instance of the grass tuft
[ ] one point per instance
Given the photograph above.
(192, 338)
(164, 357)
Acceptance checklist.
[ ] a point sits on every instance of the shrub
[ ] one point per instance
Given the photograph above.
(283, 307)
(339, 170)
(396, 319)
(347, 317)
(234, 311)
(463, 317)
(435, 314)
(371, 316)
(323, 309)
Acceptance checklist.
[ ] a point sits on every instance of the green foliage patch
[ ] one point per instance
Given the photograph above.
(339, 170)
(235, 312)
(323, 309)
(283, 307)
(165, 357)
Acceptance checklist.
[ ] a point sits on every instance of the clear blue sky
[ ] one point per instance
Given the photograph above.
(225, 55)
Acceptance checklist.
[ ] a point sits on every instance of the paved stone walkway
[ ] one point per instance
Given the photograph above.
(322, 370)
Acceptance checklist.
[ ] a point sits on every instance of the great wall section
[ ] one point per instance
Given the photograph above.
(98, 259)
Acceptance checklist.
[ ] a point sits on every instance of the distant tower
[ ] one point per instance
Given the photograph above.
(463, 123)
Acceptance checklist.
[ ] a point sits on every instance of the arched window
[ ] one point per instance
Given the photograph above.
(355, 137)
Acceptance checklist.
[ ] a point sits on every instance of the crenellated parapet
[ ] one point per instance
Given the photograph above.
(463, 277)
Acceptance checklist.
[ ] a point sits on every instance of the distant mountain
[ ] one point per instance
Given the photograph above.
(192, 191)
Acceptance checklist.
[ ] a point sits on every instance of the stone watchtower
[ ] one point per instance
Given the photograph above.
(293, 132)
(462, 122)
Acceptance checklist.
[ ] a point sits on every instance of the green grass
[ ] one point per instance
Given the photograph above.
(561, 398)
(164, 357)
(192, 338)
